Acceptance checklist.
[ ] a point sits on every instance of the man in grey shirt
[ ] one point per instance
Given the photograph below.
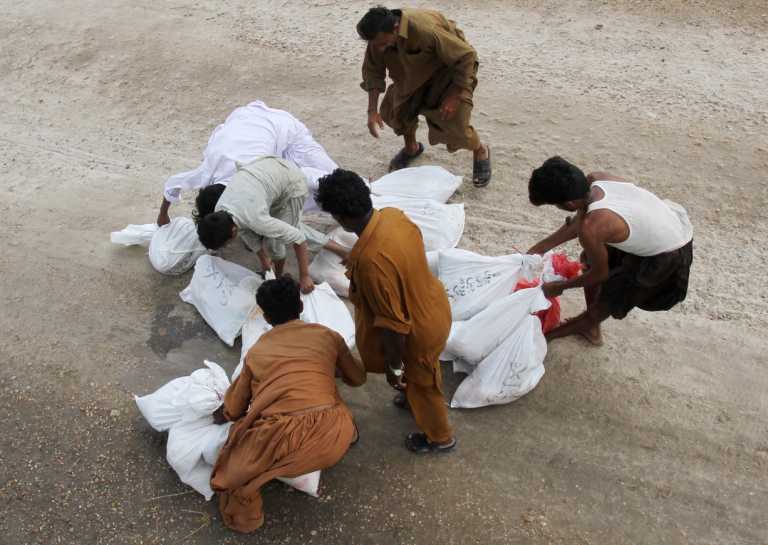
(263, 204)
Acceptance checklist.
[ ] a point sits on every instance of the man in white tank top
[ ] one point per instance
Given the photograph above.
(638, 248)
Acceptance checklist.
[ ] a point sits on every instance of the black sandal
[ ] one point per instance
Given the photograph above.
(401, 402)
(481, 170)
(403, 158)
(418, 443)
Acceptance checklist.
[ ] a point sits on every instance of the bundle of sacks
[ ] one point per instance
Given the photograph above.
(420, 192)
(224, 294)
(497, 336)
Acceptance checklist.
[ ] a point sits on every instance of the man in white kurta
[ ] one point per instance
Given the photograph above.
(249, 132)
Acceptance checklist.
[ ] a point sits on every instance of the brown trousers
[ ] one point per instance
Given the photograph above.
(425, 396)
(456, 133)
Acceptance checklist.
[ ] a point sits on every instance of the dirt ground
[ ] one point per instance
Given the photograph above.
(659, 437)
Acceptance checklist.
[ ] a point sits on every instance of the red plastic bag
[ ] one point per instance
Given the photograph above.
(550, 318)
(565, 267)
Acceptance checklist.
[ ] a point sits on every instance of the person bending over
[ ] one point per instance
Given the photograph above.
(288, 417)
(263, 204)
(402, 314)
(434, 74)
(638, 248)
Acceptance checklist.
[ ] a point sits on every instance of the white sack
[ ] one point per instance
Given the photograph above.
(158, 408)
(424, 182)
(224, 293)
(134, 235)
(327, 267)
(441, 225)
(175, 247)
(473, 281)
(515, 366)
(433, 261)
(184, 407)
(474, 339)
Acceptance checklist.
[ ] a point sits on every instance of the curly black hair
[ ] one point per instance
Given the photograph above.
(205, 202)
(280, 299)
(343, 193)
(215, 230)
(378, 19)
(557, 181)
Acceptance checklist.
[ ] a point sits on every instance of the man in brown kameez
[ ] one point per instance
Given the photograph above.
(288, 417)
(402, 314)
(434, 74)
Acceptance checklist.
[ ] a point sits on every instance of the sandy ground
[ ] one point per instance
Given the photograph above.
(659, 437)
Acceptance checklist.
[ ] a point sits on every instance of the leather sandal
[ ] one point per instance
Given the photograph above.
(418, 443)
(403, 158)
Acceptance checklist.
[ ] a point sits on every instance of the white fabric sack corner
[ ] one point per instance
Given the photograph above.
(423, 182)
(175, 247)
(224, 294)
(327, 267)
(134, 235)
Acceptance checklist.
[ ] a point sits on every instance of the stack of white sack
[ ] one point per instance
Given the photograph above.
(224, 294)
(495, 338)
(420, 192)
(173, 248)
(321, 306)
(184, 409)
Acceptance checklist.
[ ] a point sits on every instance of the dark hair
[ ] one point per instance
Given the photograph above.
(557, 181)
(344, 193)
(205, 202)
(214, 230)
(378, 19)
(280, 300)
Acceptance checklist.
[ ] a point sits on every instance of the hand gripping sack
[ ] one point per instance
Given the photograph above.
(175, 247)
(134, 235)
(327, 266)
(424, 182)
(473, 281)
(441, 225)
(224, 294)
(514, 363)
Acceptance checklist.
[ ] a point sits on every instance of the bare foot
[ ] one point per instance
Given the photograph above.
(593, 336)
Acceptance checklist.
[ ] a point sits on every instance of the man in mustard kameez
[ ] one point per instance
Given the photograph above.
(402, 314)
(434, 74)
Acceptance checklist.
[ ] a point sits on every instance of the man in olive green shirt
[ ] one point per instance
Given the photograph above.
(433, 69)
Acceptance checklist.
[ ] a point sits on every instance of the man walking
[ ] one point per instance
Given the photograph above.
(433, 69)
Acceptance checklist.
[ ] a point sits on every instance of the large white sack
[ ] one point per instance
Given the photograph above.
(189, 444)
(175, 247)
(424, 182)
(322, 306)
(512, 370)
(441, 225)
(184, 407)
(515, 366)
(224, 294)
(327, 266)
(474, 339)
(134, 235)
(158, 408)
(473, 281)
